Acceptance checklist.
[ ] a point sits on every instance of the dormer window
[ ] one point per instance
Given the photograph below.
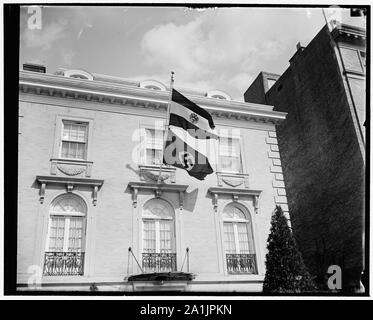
(217, 94)
(152, 85)
(78, 74)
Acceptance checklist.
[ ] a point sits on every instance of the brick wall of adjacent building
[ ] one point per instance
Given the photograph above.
(322, 161)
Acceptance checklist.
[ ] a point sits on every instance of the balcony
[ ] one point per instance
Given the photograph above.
(241, 263)
(63, 264)
(159, 262)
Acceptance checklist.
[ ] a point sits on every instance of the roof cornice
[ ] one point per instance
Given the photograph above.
(118, 94)
(343, 32)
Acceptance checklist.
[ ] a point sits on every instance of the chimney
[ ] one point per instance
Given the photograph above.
(300, 48)
(34, 67)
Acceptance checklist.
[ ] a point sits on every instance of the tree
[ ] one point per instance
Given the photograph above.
(285, 269)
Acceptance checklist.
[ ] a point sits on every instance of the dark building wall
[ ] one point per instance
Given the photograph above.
(322, 159)
(255, 92)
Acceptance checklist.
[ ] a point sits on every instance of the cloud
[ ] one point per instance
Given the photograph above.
(217, 48)
(87, 25)
(176, 47)
(68, 57)
(43, 39)
(240, 81)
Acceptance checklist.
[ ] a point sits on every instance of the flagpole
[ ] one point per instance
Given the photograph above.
(166, 124)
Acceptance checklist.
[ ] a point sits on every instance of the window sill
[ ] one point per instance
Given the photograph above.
(150, 173)
(71, 167)
(233, 179)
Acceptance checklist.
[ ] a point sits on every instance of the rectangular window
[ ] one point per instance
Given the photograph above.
(236, 238)
(57, 232)
(165, 236)
(66, 234)
(362, 57)
(243, 239)
(157, 236)
(149, 236)
(74, 140)
(351, 59)
(76, 234)
(230, 155)
(153, 146)
(229, 239)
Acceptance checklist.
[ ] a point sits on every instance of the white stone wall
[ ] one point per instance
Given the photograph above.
(114, 224)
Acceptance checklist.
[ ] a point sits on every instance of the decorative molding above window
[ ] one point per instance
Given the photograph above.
(149, 172)
(71, 167)
(236, 194)
(70, 183)
(233, 179)
(158, 189)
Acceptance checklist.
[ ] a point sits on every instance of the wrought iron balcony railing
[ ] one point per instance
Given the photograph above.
(159, 262)
(241, 263)
(63, 264)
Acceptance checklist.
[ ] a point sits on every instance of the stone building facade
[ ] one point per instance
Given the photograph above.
(92, 213)
(322, 146)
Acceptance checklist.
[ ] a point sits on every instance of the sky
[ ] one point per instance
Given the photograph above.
(221, 48)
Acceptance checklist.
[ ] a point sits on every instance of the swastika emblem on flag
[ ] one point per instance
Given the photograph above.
(187, 160)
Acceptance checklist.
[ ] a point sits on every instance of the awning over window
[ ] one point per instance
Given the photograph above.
(163, 276)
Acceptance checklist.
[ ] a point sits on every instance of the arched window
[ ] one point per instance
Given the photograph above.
(152, 84)
(159, 248)
(238, 240)
(218, 94)
(79, 74)
(64, 252)
(152, 87)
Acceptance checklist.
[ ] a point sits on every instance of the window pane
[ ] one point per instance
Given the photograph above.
(56, 234)
(149, 236)
(80, 151)
(229, 241)
(74, 132)
(165, 236)
(243, 238)
(73, 150)
(351, 59)
(76, 234)
(69, 204)
(65, 149)
(230, 154)
(74, 139)
(154, 146)
(153, 156)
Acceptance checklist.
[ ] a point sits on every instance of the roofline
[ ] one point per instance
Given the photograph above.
(118, 94)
